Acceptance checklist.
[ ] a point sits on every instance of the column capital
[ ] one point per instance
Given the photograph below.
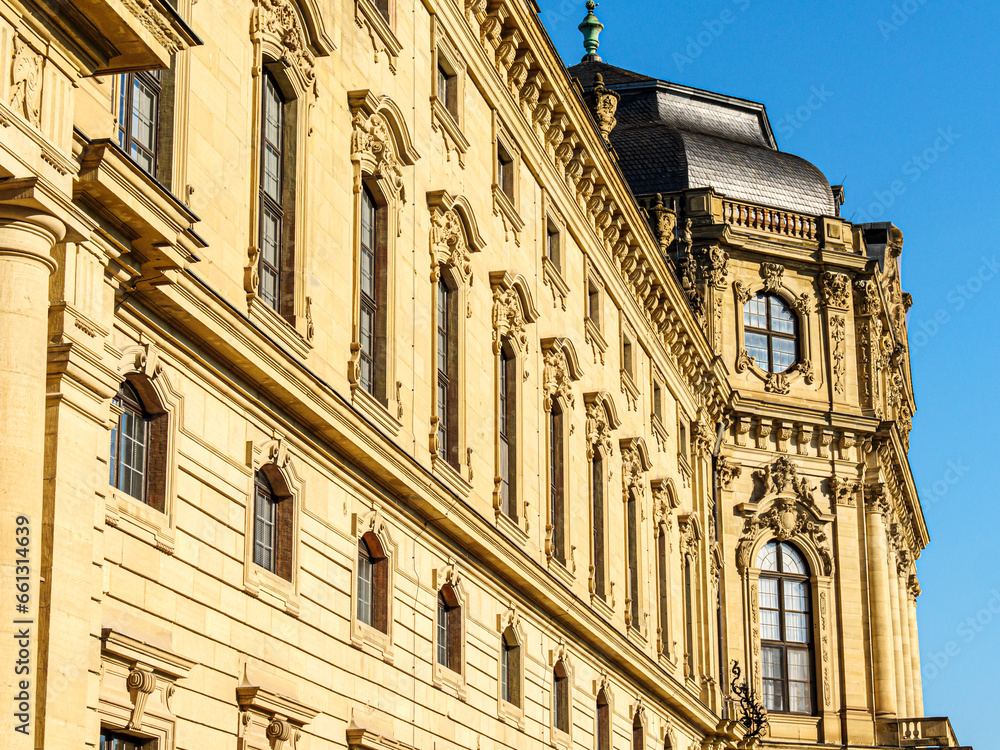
(30, 232)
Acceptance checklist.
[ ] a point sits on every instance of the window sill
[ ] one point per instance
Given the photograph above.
(503, 206)
(561, 571)
(443, 121)
(776, 382)
(450, 476)
(277, 327)
(374, 410)
(559, 738)
(371, 640)
(604, 606)
(139, 520)
(272, 588)
(553, 279)
(510, 713)
(366, 15)
(793, 726)
(511, 528)
(450, 681)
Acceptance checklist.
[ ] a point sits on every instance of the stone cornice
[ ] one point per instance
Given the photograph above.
(560, 142)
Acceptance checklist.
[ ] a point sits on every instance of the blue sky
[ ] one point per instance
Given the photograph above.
(897, 100)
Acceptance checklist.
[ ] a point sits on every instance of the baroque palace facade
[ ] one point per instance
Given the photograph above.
(370, 380)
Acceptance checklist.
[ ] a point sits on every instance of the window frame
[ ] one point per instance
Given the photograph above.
(373, 303)
(556, 463)
(447, 405)
(769, 333)
(633, 564)
(448, 630)
(783, 645)
(128, 402)
(125, 138)
(371, 554)
(269, 204)
(507, 429)
(599, 535)
(562, 697)
(603, 720)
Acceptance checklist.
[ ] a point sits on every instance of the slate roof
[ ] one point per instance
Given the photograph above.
(670, 137)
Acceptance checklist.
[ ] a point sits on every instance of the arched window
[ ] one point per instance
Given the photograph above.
(632, 556)
(507, 432)
(510, 668)
(447, 371)
(786, 629)
(138, 452)
(770, 332)
(371, 318)
(373, 595)
(449, 630)
(557, 487)
(129, 444)
(272, 526)
(597, 509)
(560, 697)
(603, 721)
(638, 732)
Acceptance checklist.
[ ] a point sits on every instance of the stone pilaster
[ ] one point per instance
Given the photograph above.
(904, 628)
(26, 239)
(897, 634)
(881, 617)
(918, 690)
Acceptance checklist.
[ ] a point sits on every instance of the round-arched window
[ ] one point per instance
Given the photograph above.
(770, 332)
(785, 629)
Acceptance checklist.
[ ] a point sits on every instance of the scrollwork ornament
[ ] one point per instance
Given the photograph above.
(835, 289)
(25, 94)
(773, 275)
(556, 379)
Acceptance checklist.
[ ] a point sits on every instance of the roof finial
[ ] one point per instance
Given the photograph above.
(591, 29)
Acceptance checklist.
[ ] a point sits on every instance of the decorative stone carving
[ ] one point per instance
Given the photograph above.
(558, 376)
(782, 477)
(158, 26)
(449, 246)
(371, 137)
(743, 293)
(877, 499)
(702, 438)
(603, 105)
(714, 265)
(835, 289)
(664, 223)
(838, 335)
(785, 519)
(141, 683)
(728, 471)
(844, 491)
(868, 297)
(280, 19)
(26, 82)
(776, 382)
(602, 419)
(635, 461)
(773, 275)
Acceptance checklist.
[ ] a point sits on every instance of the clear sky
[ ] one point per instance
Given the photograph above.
(897, 100)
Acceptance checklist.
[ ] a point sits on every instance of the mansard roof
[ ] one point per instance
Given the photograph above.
(671, 137)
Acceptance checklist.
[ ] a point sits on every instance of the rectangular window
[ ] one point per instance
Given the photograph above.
(682, 438)
(271, 193)
(132, 452)
(594, 304)
(597, 505)
(447, 92)
(688, 620)
(111, 740)
(447, 373)
(442, 633)
(556, 484)
(138, 117)
(632, 552)
(369, 291)
(508, 435)
(662, 555)
(505, 172)
(657, 402)
(627, 356)
(263, 538)
(553, 251)
(510, 670)
(771, 666)
(365, 609)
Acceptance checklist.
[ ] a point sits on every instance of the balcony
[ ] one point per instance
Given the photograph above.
(927, 732)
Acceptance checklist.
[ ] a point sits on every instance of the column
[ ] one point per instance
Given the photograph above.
(904, 625)
(913, 591)
(897, 634)
(881, 619)
(26, 240)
